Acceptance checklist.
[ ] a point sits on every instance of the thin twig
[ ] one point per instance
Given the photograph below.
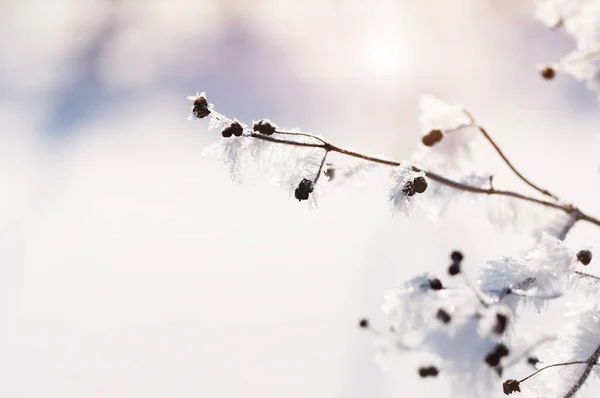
(510, 165)
(591, 362)
(588, 275)
(503, 156)
(552, 366)
(569, 209)
(517, 358)
(320, 167)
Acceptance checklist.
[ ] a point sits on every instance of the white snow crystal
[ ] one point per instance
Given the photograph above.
(543, 272)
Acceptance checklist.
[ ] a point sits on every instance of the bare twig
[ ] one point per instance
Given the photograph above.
(552, 366)
(587, 275)
(591, 362)
(327, 146)
(510, 165)
(503, 156)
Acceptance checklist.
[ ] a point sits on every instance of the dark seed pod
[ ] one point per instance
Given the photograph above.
(454, 269)
(443, 316)
(501, 350)
(409, 189)
(548, 72)
(533, 361)
(501, 323)
(304, 189)
(363, 323)
(510, 386)
(456, 256)
(426, 371)
(420, 184)
(264, 127)
(492, 359)
(435, 284)
(233, 129)
(584, 257)
(200, 108)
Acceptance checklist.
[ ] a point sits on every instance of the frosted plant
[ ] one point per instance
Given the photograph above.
(581, 20)
(471, 333)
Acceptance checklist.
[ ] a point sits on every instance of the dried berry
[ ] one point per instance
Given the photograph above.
(533, 360)
(510, 386)
(264, 127)
(304, 189)
(492, 359)
(501, 323)
(200, 108)
(547, 72)
(501, 350)
(426, 371)
(432, 138)
(329, 171)
(233, 129)
(454, 269)
(420, 184)
(364, 323)
(443, 316)
(409, 189)
(584, 257)
(435, 284)
(456, 256)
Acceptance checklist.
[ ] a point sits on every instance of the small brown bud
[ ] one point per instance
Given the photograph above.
(432, 138)
(264, 127)
(547, 72)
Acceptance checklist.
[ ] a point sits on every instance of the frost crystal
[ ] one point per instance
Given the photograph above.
(543, 272)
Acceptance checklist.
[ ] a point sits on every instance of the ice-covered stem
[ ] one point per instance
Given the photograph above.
(327, 146)
(590, 363)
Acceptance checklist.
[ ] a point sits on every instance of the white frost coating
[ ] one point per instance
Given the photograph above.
(400, 201)
(580, 19)
(549, 265)
(439, 197)
(437, 114)
(582, 334)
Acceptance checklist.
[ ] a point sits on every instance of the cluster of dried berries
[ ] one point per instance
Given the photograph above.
(304, 189)
(264, 127)
(418, 185)
(493, 357)
(200, 108)
(432, 138)
(584, 257)
(233, 129)
(510, 386)
(427, 371)
(456, 258)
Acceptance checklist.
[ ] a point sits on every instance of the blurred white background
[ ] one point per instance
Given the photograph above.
(131, 266)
